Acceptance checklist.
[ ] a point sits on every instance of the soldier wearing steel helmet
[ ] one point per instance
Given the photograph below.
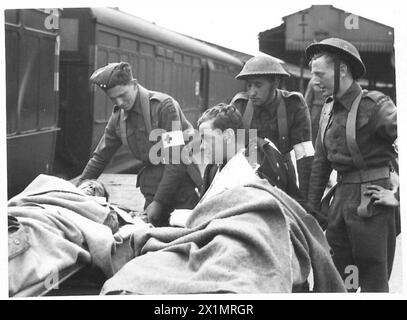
(357, 133)
(278, 115)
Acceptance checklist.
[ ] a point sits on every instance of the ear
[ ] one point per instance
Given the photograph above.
(229, 135)
(343, 69)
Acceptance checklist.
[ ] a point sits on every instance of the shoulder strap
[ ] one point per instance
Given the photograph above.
(239, 96)
(351, 135)
(282, 124)
(376, 96)
(145, 107)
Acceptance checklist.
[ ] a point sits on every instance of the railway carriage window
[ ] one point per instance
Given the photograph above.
(11, 16)
(12, 54)
(69, 34)
(35, 19)
(29, 83)
(177, 57)
(47, 92)
(147, 49)
(108, 39)
(101, 101)
(169, 54)
(197, 62)
(187, 59)
(159, 51)
(114, 56)
(129, 44)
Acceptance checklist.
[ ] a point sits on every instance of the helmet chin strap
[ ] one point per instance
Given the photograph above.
(337, 65)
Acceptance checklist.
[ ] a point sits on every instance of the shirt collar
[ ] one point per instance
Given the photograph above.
(350, 95)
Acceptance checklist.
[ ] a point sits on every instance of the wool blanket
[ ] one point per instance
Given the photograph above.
(251, 238)
(58, 227)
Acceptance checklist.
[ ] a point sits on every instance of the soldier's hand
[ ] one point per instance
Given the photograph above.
(380, 195)
(154, 214)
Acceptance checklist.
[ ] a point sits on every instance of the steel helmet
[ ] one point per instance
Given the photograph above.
(341, 47)
(262, 66)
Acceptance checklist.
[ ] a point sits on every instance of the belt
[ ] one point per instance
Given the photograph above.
(362, 176)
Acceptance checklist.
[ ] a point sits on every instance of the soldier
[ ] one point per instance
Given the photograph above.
(281, 116)
(356, 136)
(220, 124)
(135, 113)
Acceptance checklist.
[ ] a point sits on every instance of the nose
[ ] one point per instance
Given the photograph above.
(252, 92)
(118, 101)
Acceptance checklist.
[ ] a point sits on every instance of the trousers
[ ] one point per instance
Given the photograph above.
(367, 243)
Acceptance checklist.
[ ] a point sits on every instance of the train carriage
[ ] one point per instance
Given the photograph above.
(32, 62)
(197, 75)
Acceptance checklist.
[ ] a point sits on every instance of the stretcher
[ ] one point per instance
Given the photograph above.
(81, 278)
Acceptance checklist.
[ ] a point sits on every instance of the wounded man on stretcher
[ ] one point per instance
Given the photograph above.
(246, 236)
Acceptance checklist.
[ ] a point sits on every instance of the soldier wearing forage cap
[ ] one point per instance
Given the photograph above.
(281, 116)
(135, 113)
(357, 131)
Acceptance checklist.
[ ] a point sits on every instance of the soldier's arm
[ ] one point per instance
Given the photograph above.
(386, 120)
(106, 148)
(173, 173)
(302, 145)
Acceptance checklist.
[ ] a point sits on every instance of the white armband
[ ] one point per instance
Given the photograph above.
(303, 150)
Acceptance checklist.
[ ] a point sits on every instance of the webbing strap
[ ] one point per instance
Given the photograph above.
(281, 120)
(145, 108)
(351, 135)
(282, 124)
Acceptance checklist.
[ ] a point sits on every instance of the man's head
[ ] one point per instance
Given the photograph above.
(93, 187)
(218, 130)
(263, 75)
(261, 89)
(332, 57)
(116, 79)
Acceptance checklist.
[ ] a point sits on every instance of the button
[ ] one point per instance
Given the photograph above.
(16, 241)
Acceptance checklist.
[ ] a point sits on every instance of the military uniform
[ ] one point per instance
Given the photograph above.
(365, 241)
(169, 184)
(266, 120)
(271, 165)
(356, 136)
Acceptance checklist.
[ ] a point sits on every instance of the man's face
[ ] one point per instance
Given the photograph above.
(212, 143)
(123, 96)
(261, 90)
(92, 188)
(322, 70)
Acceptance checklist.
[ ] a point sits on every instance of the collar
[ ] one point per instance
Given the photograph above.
(347, 98)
